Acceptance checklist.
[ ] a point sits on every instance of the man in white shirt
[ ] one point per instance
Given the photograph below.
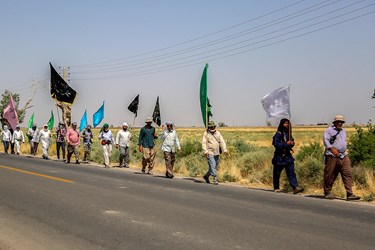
(6, 137)
(33, 135)
(18, 138)
(45, 137)
(169, 144)
(123, 139)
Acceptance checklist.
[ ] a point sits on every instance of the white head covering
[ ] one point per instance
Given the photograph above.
(125, 124)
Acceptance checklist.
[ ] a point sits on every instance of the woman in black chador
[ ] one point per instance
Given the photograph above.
(282, 158)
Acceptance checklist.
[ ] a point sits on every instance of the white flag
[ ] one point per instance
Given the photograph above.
(277, 103)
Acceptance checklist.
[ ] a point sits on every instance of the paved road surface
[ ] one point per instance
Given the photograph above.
(51, 205)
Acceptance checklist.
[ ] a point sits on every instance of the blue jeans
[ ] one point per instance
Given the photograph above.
(6, 146)
(213, 163)
(292, 178)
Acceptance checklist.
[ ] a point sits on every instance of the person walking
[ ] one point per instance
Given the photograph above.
(107, 139)
(60, 140)
(18, 138)
(33, 135)
(6, 137)
(44, 139)
(11, 141)
(123, 139)
(212, 144)
(336, 159)
(146, 143)
(72, 139)
(282, 158)
(169, 144)
(87, 141)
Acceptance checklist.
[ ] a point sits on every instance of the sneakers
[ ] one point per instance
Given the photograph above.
(143, 171)
(215, 181)
(278, 190)
(298, 190)
(329, 196)
(206, 179)
(352, 197)
(150, 172)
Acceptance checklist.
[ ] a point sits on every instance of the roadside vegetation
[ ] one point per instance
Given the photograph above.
(250, 154)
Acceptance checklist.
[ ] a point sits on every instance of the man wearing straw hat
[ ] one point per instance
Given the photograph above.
(146, 143)
(336, 159)
(212, 144)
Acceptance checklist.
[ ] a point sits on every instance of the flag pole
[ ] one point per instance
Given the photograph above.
(134, 121)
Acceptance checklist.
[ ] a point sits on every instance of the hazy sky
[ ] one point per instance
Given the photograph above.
(117, 49)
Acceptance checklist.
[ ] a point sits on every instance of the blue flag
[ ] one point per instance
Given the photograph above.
(98, 116)
(83, 123)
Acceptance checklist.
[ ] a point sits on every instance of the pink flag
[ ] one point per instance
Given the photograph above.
(10, 113)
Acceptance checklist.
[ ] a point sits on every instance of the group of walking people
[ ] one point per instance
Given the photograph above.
(213, 145)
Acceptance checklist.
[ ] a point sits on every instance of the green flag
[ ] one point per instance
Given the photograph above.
(203, 96)
(51, 122)
(206, 107)
(31, 121)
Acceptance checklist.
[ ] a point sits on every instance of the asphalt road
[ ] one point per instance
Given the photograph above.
(51, 205)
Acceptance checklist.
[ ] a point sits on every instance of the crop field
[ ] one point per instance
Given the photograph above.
(249, 160)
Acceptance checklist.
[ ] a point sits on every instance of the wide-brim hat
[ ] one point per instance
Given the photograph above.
(339, 118)
(211, 124)
(148, 119)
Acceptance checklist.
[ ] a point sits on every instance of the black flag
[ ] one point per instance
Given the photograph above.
(133, 107)
(60, 90)
(156, 115)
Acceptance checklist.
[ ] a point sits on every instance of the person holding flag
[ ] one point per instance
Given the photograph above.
(44, 139)
(146, 143)
(283, 142)
(18, 138)
(213, 144)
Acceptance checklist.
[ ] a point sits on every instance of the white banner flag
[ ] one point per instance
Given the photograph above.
(277, 103)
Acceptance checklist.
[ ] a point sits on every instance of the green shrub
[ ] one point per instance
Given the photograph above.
(229, 177)
(313, 150)
(252, 161)
(362, 146)
(195, 166)
(359, 176)
(310, 171)
(190, 147)
(369, 197)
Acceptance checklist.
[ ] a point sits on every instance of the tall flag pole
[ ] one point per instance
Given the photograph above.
(204, 96)
(98, 116)
(83, 122)
(10, 113)
(133, 107)
(156, 117)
